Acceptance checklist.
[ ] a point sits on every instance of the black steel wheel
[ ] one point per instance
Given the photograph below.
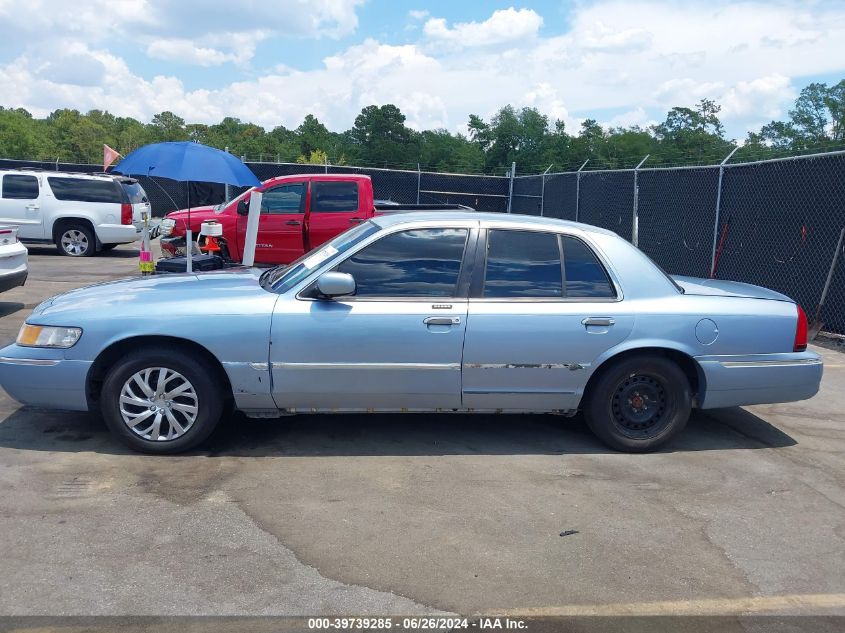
(639, 403)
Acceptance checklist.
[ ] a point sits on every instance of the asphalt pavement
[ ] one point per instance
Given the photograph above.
(414, 514)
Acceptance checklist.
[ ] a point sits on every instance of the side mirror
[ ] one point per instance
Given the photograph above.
(243, 207)
(335, 284)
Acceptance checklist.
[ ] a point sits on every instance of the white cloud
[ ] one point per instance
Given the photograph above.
(187, 52)
(638, 58)
(418, 14)
(504, 26)
(165, 27)
(636, 117)
(241, 48)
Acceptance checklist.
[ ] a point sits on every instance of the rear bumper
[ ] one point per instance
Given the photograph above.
(759, 378)
(12, 279)
(44, 378)
(117, 233)
(13, 266)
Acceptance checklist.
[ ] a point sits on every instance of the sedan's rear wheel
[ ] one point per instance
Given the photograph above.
(639, 403)
(161, 401)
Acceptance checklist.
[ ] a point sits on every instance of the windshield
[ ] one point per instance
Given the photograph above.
(219, 207)
(283, 278)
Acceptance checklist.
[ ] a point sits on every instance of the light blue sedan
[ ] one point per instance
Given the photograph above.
(431, 312)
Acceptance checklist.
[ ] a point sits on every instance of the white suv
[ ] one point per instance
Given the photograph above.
(82, 214)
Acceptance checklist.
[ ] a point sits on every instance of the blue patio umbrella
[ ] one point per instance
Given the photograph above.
(187, 161)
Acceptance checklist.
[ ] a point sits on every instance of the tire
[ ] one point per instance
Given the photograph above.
(76, 240)
(639, 403)
(105, 248)
(128, 377)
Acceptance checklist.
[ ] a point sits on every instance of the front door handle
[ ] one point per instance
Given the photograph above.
(355, 220)
(293, 222)
(442, 320)
(601, 321)
(32, 207)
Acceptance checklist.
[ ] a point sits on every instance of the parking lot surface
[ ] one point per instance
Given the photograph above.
(413, 514)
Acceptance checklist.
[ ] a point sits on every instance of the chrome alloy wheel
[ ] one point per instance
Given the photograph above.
(159, 404)
(75, 242)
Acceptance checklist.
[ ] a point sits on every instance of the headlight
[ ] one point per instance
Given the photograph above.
(48, 336)
(165, 228)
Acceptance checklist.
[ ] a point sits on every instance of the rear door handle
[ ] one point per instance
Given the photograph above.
(442, 320)
(32, 207)
(293, 223)
(355, 220)
(602, 321)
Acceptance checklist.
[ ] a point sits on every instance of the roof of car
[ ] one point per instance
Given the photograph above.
(67, 174)
(501, 219)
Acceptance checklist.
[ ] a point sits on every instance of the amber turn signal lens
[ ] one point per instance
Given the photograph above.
(29, 334)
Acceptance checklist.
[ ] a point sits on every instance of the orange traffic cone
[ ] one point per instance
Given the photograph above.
(211, 245)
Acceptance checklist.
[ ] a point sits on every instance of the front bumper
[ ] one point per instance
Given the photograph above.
(759, 378)
(44, 378)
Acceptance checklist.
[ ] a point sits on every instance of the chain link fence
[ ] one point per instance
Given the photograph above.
(778, 223)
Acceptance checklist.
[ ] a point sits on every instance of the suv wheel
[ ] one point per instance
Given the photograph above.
(76, 240)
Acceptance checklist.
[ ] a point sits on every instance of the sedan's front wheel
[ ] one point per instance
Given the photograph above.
(161, 401)
(639, 403)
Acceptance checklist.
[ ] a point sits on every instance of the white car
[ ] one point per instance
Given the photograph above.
(82, 214)
(13, 257)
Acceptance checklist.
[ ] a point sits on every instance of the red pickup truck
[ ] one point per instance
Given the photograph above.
(298, 213)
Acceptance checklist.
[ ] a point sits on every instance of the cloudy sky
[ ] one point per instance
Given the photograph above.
(272, 62)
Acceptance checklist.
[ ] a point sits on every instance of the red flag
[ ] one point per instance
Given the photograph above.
(109, 156)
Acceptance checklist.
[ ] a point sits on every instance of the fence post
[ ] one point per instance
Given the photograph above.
(543, 191)
(635, 220)
(226, 194)
(718, 211)
(578, 188)
(816, 325)
(510, 186)
(419, 177)
(326, 163)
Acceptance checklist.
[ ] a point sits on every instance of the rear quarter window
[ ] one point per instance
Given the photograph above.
(85, 190)
(585, 276)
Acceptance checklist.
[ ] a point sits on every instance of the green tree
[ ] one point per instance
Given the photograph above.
(380, 137)
(316, 157)
(692, 135)
(167, 126)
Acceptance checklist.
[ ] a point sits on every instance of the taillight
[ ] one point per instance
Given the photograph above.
(126, 213)
(8, 236)
(800, 331)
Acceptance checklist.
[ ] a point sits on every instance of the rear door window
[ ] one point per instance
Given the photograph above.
(85, 189)
(334, 197)
(20, 187)
(522, 264)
